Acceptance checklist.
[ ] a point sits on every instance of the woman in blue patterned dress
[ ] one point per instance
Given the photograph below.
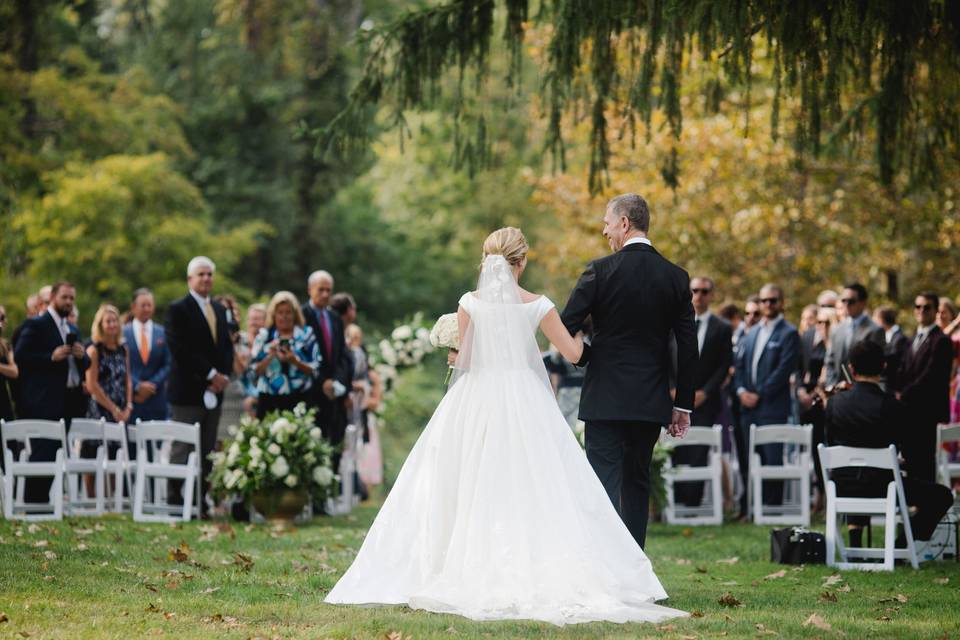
(285, 356)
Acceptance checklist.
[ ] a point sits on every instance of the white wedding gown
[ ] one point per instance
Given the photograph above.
(496, 513)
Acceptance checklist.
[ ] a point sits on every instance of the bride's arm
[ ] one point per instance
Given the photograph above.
(570, 347)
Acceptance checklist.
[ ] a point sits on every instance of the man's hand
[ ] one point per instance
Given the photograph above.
(77, 351)
(749, 399)
(328, 389)
(61, 353)
(699, 397)
(679, 424)
(219, 382)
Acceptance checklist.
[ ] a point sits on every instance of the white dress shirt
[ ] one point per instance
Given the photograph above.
(73, 373)
(204, 302)
(766, 330)
(922, 333)
(701, 325)
(140, 326)
(891, 331)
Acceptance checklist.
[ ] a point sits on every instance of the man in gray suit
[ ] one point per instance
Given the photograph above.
(855, 328)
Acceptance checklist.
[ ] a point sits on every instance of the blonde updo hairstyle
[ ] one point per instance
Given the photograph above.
(509, 243)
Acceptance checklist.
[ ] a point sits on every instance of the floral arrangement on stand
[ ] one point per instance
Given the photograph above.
(406, 347)
(284, 452)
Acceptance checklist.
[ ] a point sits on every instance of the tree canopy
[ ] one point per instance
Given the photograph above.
(885, 72)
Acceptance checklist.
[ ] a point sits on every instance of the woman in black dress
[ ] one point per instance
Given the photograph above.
(8, 371)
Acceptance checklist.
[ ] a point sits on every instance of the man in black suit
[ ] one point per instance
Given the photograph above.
(923, 385)
(715, 346)
(897, 342)
(202, 357)
(867, 417)
(636, 298)
(336, 370)
(52, 362)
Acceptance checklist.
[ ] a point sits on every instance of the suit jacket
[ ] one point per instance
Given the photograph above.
(864, 416)
(636, 297)
(336, 365)
(924, 378)
(779, 360)
(43, 382)
(156, 370)
(812, 359)
(193, 350)
(893, 355)
(716, 357)
(841, 340)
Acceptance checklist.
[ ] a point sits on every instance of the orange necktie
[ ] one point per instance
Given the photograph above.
(144, 345)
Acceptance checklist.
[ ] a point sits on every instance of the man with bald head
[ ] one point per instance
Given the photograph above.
(336, 368)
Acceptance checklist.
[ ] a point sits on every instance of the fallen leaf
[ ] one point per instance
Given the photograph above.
(151, 587)
(733, 560)
(4, 618)
(394, 635)
(897, 598)
(729, 600)
(24, 634)
(243, 561)
(180, 554)
(172, 584)
(696, 614)
(779, 574)
(763, 631)
(211, 590)
(832, 580)
(701, 569)
(826, 596)
(49, 555)
(844, 589)
(667, 627)
(683, 561)
(169, 615)
(884, 618)
(941, 580)
(818, 622)
(82, 547)
(209, 533)
(152, 608)
(83, 532)
(40, 543)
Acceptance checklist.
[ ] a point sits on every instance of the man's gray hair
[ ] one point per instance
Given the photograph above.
(142, 291)
(632, 207)
(827, 298)
(317, 276)
(198, 263)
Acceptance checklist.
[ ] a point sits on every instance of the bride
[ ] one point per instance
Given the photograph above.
(496, 513)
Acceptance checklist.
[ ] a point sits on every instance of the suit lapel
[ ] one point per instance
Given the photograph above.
(200, 318)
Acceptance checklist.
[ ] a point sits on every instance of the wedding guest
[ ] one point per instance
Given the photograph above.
(366, 395)
(923, 385)
(201, 360)
(896, 341)
(949, 323)
(51, 361)
(108, 377)
(751, 316)
(715, 348)
(855, 328)
(841, 308)
(8, 370)
(335, 378)
(768, 358)
(36, 306)
(813, 354)
(150, 359)
(285, 356)
(731, 314)
(865, 416)
(828, 298)
(256, 320)
(808, 318)
(344, 304)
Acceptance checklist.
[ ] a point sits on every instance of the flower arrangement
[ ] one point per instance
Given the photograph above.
(406, 347)
(446, 334)
(285, 450)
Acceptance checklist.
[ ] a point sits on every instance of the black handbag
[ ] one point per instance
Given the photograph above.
(796, 545)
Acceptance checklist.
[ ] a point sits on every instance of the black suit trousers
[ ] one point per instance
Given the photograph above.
(620, 452)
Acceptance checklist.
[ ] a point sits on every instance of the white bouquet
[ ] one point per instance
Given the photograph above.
(446, 332)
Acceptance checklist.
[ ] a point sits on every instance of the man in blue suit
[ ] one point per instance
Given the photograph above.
(52, 361)
(149, 360)
(769, 355)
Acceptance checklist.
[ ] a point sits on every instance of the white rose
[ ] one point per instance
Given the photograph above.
(290, 481)
(254, 440)
(274, 449)
(316, 433)
(233, 453)
(281, 425)
(309, 458)
(253, 464)
(255, 452)
(279, 468)
(232, 430)
(403, 332)
(322, 475)
(300, 410)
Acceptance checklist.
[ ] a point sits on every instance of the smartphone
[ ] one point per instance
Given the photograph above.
(71, 339)
(285, 344)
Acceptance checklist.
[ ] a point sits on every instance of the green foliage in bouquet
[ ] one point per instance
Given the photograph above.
(285, 450)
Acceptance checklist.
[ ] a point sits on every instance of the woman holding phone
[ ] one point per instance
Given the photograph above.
(285, 357)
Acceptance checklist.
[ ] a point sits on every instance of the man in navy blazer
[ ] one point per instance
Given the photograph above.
(149, 360)
(52, 362)
(769, 355)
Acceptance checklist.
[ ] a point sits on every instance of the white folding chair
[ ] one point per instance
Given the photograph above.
(710, 511)
(890, 506)
(154, 440)
(947, 470)
(16, 472)
(118, 466)
(79, 500)
(796, 467)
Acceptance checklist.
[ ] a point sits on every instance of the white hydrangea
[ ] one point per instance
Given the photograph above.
(233, 478)
(254, 464)
(281, 425)
(423, 335)
(233, 430)
(316, 433)
(254, 441)
(280, 468)
(322, 475)
(300, 410)
(403, 332)
(255, 452)
(309, 458)
(233, 453)
(291, 480)
(273, 449)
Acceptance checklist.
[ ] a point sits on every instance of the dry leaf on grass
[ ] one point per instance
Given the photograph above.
(180, 553)
(897, 598)
(729, 600)
(40, 543)
(779, 574)
(152, 608)
(832, 580)
(683, 561)
(816, 621)
(243, 561)
(667, 627)
(211, 590)
(696, 614)
(884, 618)
(844, 589)
(3, 618)
(826, 596)
(394, 635)
(49, 555)
(941, 580)
(24, 634)
(763, 631)
(733, 560)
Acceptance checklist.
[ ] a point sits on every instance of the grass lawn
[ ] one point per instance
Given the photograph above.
(113, 578)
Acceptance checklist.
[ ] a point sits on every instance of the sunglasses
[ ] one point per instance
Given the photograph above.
(925, 307)
(849, 300)
(750, 314)
(769, 300)
(823, 322)
(703, 291)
